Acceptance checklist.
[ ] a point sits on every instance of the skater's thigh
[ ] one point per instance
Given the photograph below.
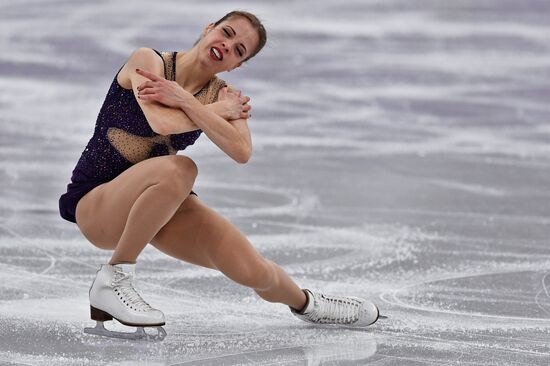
(181, 236)
(102, 213)
(197, 234)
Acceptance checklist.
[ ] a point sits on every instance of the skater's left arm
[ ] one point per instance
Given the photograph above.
(232, 137)
(241, 125)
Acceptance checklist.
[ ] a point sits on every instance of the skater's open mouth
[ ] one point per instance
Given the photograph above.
(216, 53)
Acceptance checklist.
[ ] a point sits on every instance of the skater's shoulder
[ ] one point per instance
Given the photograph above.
(147, 55)
(144, 58)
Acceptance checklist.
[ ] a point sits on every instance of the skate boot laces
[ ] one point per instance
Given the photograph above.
(335, 309)
(124, 289)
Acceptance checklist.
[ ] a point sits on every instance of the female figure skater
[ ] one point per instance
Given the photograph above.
(129, 187)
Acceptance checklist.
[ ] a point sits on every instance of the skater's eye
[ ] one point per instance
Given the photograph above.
(239, 49)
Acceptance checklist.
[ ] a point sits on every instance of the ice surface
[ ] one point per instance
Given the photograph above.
(401, 153)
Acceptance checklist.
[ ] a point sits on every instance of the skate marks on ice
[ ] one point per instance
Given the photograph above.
(542, 298)
(520, 297)
(484, 318)
(236, 200)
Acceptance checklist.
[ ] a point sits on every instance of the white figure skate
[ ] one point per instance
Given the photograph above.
(112, 295)
(339, 310)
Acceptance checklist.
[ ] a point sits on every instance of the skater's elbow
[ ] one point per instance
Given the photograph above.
(243, 155)
(159, 128)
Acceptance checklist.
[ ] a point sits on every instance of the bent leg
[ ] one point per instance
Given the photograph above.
(199, 235)
(125, 213)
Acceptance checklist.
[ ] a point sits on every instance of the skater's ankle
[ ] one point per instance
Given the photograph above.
(304, 307)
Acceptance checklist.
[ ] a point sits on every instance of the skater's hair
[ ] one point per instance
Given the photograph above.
(255, 23)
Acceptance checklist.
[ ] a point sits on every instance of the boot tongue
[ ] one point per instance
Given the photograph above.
(126, 267)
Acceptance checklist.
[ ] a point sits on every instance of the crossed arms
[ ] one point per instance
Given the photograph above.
(170, 109)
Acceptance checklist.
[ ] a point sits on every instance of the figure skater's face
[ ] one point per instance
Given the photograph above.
(228, 44)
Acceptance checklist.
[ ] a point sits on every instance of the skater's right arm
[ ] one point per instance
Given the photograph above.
(162, 119)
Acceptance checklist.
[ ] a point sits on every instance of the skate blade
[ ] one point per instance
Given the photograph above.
(139, 334)
(347, 326)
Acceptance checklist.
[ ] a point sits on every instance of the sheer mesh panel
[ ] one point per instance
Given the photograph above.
(136, 148)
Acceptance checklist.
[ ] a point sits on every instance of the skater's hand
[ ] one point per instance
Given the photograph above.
(235, 105)
(158, 89)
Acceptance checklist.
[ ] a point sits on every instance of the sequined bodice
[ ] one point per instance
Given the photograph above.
(122, 135)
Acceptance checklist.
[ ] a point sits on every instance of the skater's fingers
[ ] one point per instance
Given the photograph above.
(230, 89)
(152, 95)
(149, 90)
(149, 75)
(146, 84)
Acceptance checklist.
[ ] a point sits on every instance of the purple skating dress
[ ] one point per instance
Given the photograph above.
(123, 137)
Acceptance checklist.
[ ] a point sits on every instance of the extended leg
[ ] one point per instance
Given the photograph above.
(199, 235)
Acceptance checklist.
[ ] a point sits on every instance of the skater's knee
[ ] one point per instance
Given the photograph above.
(180, 173)
(184, 165)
